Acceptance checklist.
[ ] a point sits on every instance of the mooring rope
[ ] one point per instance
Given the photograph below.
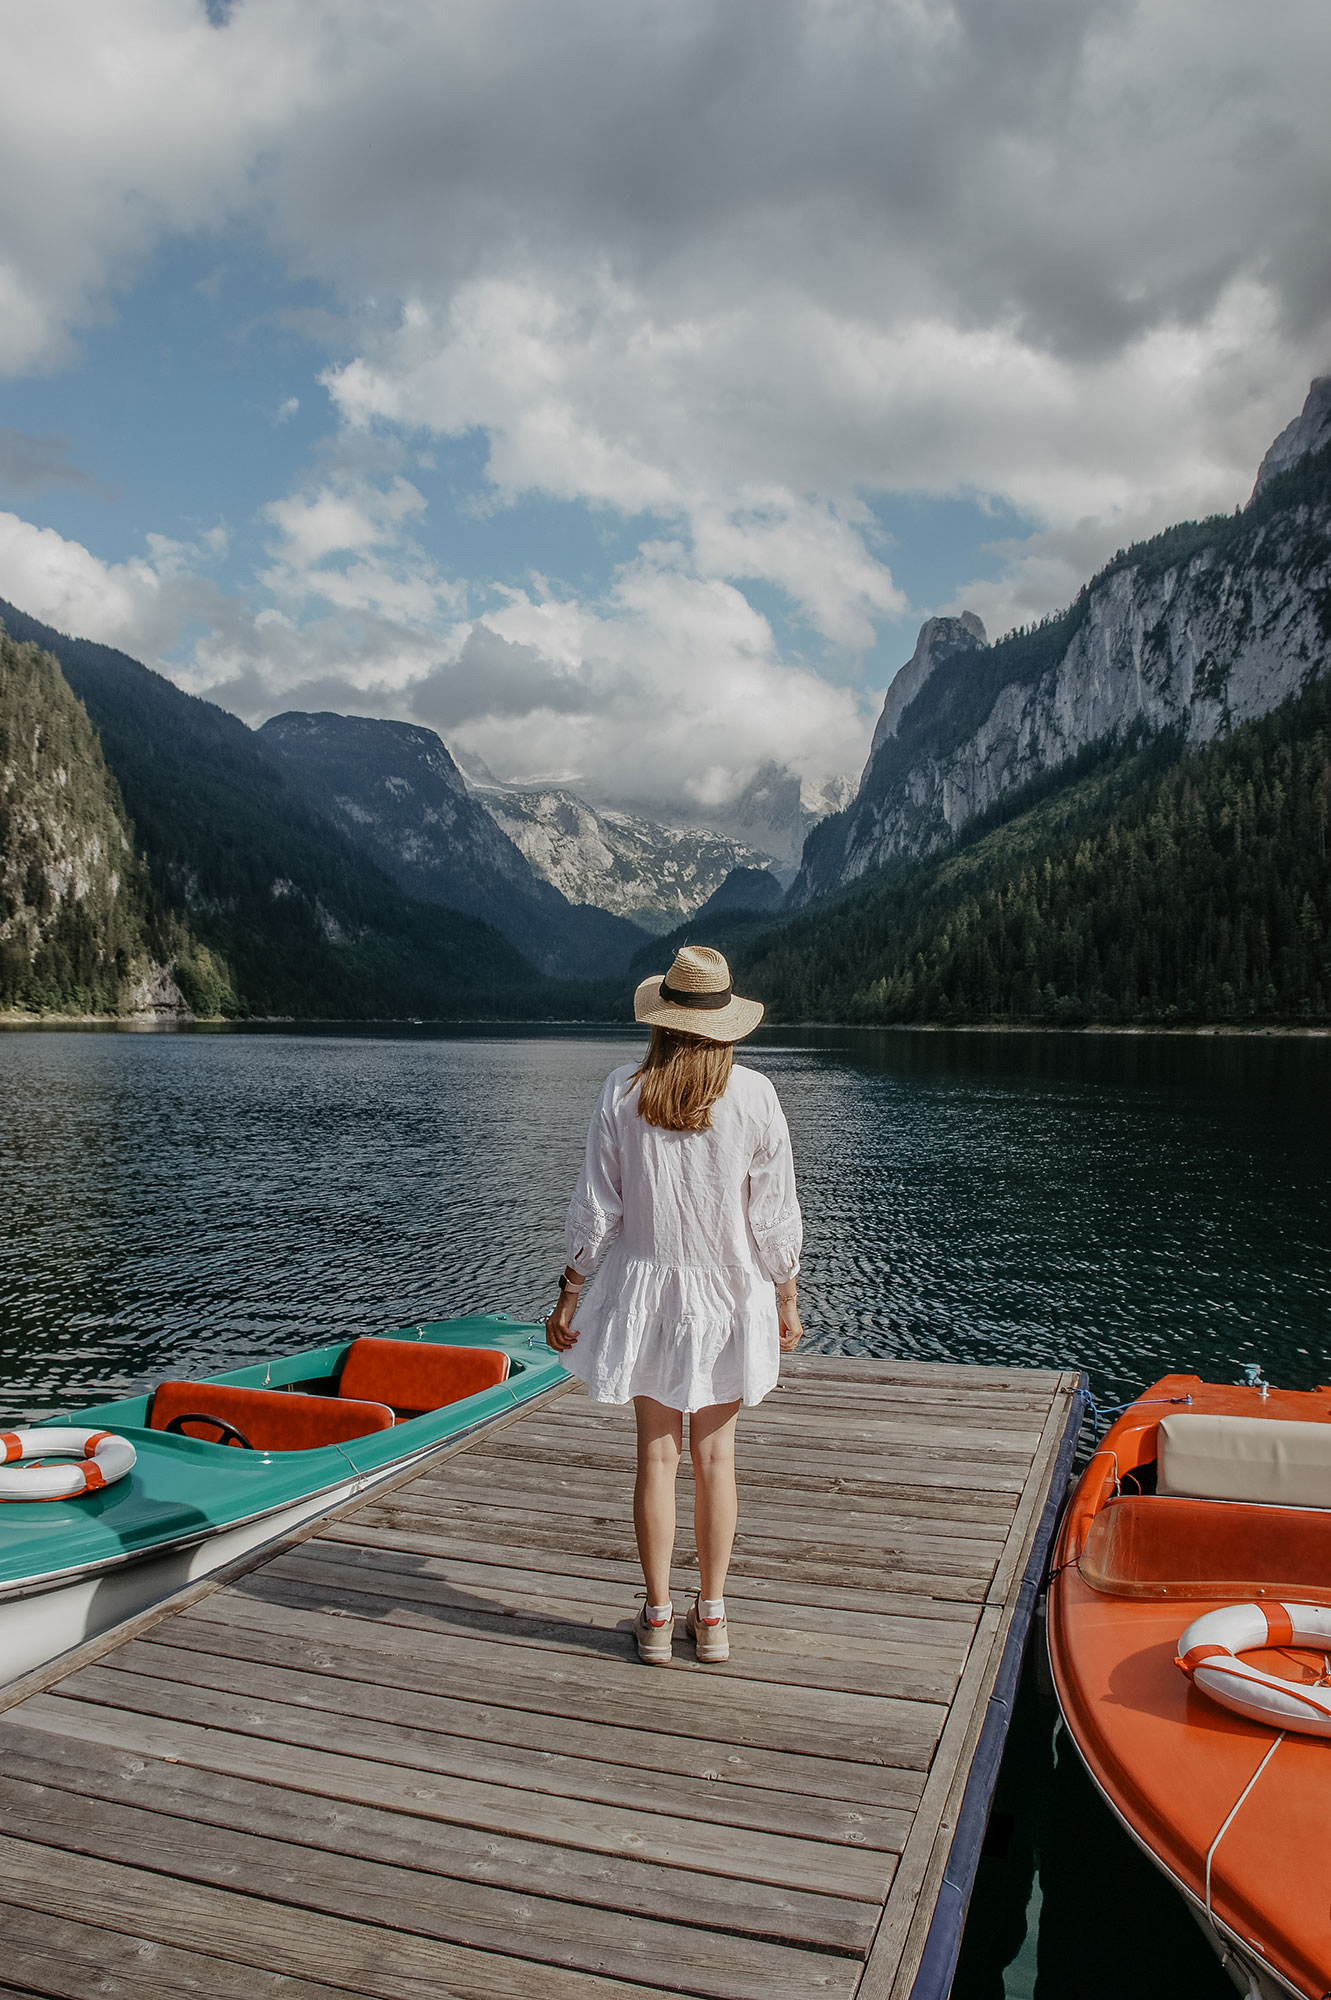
(1233, 1814)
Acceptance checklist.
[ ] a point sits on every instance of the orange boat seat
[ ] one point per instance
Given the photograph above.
(271, 1419)
(1164, 1548)
(413, 1376)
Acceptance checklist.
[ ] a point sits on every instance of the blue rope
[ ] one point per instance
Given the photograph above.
(1101, 1412)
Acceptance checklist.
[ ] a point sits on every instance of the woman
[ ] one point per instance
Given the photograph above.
(689, 1175)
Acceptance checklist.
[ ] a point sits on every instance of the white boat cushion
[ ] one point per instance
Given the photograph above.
(1264, 1460)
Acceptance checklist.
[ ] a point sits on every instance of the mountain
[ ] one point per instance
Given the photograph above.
(395, 792)
(743, 889)
(1155, 884)
(298, 920)
(656, 875)
(1310, 431)
(1195, 630)
(747, 902)
(941, 641)
(80, 931)
(778, 809)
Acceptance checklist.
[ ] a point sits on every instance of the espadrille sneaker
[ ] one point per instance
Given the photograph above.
(710, 1635)
(654, 1641)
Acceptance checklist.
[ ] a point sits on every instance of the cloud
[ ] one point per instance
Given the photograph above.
(493, 678)
(117, 134)
(667, 691)
(724, 273)
(142, 605)
(29, 463)
(583, 399)
(740, 272)
(346, 542)
(758, 217)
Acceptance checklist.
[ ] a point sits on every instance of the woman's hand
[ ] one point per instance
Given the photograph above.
(559, 1332)
(789, 1325)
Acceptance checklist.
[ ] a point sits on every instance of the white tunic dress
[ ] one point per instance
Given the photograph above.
(700, 1228)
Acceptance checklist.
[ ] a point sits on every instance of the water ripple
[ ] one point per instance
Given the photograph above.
(175, 1204)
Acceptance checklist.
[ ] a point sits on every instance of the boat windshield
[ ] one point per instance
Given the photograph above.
(1153, 1546)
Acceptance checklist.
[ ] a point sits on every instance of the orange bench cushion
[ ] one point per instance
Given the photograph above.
(271, 1419)
(413, 1375)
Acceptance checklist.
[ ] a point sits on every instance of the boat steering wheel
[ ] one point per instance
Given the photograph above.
(230, 1435)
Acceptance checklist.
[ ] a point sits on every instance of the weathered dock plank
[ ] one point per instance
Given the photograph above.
(412, 1753)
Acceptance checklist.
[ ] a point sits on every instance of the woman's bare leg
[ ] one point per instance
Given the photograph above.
(660, 1440)
(716, 1502)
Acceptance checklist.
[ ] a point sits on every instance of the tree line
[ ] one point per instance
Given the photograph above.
(1172, 886)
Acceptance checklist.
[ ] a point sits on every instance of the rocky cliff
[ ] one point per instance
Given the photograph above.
(1205, 626)
(941, 640)
(76, 925)
(1310, 431)
(279, 912)
(656, 875)
(393, 789)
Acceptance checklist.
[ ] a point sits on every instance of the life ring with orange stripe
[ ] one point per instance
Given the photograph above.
(103, 1457)
(1209, 1653)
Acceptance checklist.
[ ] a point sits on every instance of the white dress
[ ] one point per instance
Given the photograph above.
(700, 1228)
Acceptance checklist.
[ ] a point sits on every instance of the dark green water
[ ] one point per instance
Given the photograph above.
(175, 1203)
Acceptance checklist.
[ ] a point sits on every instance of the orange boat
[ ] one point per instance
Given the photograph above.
(1190, 1642)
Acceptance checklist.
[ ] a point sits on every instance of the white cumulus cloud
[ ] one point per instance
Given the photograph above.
(727, 273)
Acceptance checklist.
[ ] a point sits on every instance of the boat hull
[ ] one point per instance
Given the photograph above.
(44, 1623)
(1230, 1810)
(37, 1628)
(1246, 1972)
(100, 1578)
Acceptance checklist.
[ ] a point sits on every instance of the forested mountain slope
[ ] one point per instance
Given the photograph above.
(1208, 624)
(303, 923)
(79, 927)
(393, 789)
(1165, 885)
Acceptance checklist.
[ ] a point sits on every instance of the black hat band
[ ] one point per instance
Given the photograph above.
(710, 1001)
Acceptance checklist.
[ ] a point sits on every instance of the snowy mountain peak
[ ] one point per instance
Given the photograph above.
(777, 808)
(656, 875)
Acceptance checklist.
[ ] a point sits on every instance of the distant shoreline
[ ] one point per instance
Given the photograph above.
(145, 1024)
(1226, 1028)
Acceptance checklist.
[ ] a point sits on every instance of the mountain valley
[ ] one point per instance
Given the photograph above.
(1118, 815)
(394, 791)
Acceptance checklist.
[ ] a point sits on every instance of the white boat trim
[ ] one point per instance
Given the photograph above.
(43, 1617)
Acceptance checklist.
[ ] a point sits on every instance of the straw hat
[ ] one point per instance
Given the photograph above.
(696, 996)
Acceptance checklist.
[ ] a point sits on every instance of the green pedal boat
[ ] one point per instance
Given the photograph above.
(132, 1500)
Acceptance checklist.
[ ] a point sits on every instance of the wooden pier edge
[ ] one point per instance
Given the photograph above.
(407, 1747)
(900, 1965)
(942, 1945)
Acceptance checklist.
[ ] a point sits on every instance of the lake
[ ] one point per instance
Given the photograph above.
(174, 1203)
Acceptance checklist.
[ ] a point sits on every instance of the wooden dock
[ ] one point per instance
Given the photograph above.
(412, 1753)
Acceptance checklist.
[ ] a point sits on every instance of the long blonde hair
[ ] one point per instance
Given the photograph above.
(680, 1078)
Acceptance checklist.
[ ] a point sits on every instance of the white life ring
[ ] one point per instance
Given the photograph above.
(105, 1457)
(1209, 1649)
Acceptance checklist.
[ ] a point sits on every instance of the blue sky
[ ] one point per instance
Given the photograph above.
(618, 391)
(200, 400)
